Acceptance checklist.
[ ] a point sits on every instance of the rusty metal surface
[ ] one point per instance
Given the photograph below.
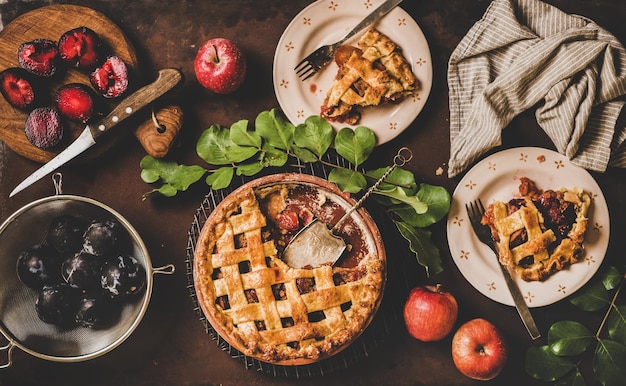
(171, 347)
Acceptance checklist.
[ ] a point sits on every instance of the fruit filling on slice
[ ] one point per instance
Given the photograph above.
(375, 73)
(541, 232)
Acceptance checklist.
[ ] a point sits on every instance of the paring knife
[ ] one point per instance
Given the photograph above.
(166, 80)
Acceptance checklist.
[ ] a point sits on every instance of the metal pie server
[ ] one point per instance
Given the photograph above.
(166, 80)
(316, 245)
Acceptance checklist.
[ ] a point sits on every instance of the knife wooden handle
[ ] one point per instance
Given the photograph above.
(166, 80)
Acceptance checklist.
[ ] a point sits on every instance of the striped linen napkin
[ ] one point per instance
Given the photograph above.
(524, 54)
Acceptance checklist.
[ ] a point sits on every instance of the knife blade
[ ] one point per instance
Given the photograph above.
(166, 80)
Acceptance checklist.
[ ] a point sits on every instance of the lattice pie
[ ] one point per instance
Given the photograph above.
(374, 73)
(261, 306)
(541, 232)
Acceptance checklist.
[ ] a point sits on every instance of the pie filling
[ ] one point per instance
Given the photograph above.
(263, 307)
(371, 74)
(540, 232)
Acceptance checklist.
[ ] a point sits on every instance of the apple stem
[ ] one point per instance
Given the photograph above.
(217, 58)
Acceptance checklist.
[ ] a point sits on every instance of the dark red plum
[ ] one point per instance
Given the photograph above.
(96, 309)
(82, 270)
(57, 304)
(65, 234)
(104, 238)
(81, 48)
(40, 57)
(123, 275)
(38, 266)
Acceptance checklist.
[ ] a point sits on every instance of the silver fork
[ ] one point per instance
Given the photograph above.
(475, 211)
(310, 65)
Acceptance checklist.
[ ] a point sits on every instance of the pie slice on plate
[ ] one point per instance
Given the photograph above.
(371, 74)
(540, 232)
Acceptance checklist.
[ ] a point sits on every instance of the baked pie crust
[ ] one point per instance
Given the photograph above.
(266, 309)
(374, 73)
(540, 232)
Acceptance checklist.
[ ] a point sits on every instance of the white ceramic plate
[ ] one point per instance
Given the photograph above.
(325, 22)
(497, 178)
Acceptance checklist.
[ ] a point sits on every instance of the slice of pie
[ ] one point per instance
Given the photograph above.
(266, 309)
(374, 73)
(540, 232)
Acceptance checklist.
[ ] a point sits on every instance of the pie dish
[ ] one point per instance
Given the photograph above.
(496, 177)
(268, 310)
(539, 232)
(325, 22)
(371, 74)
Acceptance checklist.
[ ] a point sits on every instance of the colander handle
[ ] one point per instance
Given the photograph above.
(168, 269)
(9, 349)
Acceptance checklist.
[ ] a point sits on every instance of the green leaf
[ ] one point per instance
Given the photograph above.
(420, 243)
(568, 338)
(315, 134)
(542, 364)
(609, 362)
(347, 180)
(355, 145)
(240, 135)
(611, 278)
(575, 378)
(249, 169)
(305, 155)
(236, 153)
(592, 297)
(221, 177)
(400, 196)
(397, 178)
(152, 167)
(167, 190)
(150, 176)
(273, 156)
(177, 176)
(273, 126)
(213, 145)
(617, 324)
(184, 176)
(435, 197)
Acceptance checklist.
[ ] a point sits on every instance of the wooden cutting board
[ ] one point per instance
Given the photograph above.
(51, 22)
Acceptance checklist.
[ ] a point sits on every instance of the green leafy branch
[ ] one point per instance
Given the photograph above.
(559, 361)
(273, 140)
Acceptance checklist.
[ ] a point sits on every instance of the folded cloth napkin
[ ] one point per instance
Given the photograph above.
(524, 54)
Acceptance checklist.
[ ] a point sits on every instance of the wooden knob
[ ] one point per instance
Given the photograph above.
(158, 133)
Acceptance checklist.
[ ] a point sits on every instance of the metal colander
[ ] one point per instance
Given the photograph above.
(19, 322)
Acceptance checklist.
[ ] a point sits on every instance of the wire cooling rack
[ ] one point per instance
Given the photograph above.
(388, 318)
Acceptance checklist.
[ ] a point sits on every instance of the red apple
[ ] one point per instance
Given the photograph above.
(220, 66)
(479, 350)
(430, 313)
